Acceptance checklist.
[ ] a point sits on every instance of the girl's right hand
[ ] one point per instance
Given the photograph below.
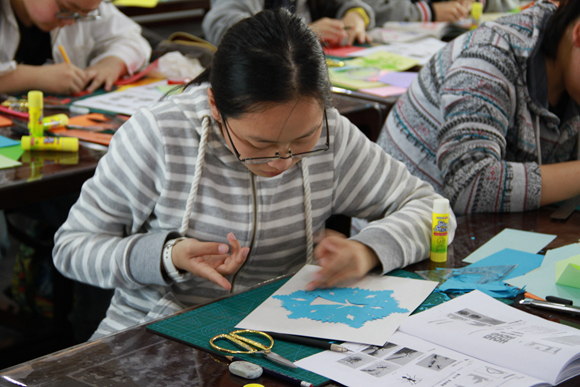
(449, 11)
(62, 78)
(329, 30)
(210, 260)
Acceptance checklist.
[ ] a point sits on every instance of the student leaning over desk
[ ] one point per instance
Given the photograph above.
(184, 167)
(433, 10)
(492, 120)
(335, 22)
(100, 50)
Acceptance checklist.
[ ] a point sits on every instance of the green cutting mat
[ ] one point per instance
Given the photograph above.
(198, 326)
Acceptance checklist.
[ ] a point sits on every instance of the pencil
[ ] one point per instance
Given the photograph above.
(308, 341)
(64, 54)
(277, 375)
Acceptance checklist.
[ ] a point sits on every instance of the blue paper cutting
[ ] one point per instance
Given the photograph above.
(351, 306)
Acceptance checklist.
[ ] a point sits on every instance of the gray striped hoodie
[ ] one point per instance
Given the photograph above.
(114, 235)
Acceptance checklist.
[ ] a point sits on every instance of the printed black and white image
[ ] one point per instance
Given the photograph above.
(377, 351)
(477, 318)
(499, 337)
(543, 347)
(474, 380)
(567, 340)
(380, 369)
(410, 380)
(356, 361)
(435, 362)
(404, 356)
(491, 371)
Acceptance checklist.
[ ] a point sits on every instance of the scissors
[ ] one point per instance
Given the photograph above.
(250, 346)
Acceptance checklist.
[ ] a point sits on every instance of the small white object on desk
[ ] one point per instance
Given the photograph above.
(246, 369)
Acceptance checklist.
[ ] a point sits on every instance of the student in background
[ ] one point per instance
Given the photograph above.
(492, 120)
(101, 42)
(335, 22)
(225, 185)
(432, 10)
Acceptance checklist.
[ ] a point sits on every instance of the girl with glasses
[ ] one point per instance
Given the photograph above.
(101, 42)
(226, 185)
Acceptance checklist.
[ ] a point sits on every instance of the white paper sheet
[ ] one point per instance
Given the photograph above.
(403, 293)
(127, 101)
(410, 361)
(482, 327)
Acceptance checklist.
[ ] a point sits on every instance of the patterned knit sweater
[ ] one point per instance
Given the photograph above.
(475, 122)
(174, 151)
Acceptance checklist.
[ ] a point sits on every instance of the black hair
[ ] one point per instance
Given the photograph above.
(272, 57)
(567, 13)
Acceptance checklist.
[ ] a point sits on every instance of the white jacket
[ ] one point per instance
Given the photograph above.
(86, 43)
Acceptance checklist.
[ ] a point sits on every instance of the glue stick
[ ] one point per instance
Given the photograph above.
(35, 113)
(439, 230)
(55, 121)
(476, 11)
(65, 144)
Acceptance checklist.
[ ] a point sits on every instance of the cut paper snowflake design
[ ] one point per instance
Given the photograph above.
(351, 306)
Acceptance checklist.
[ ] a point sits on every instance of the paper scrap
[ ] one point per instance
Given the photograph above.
(385, 91)
(400, 79)
(5, 162)
(5, 141)
(12, 152)
(342, 52)
(541, 283)
(527, 241)
(568, 272)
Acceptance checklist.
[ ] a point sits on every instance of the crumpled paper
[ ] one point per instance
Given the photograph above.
(175, 65)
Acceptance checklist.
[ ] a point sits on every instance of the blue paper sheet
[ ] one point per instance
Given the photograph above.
(514, 263)
(531, 242)
(351, 306)
(5, 141)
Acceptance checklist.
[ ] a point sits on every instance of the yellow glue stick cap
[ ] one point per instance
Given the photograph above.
(35, 99)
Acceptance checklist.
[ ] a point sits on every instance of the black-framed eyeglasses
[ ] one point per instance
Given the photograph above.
(263, 160)
(65, 14)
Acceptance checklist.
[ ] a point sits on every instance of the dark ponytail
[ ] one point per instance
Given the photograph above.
(566, 14)
(272, 57)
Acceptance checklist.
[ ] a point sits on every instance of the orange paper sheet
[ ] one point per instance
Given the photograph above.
(5, 121)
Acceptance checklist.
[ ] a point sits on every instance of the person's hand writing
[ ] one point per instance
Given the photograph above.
(355, 28)
(210, 260)
(61, 78)
(329, 30)
(449, 11)
(105, 72)
(342, 261)
(466, 3)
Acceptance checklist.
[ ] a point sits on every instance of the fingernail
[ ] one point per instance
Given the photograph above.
(310, 287)
(245, 253)
(222, 249)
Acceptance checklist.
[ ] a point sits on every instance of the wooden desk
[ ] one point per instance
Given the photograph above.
(41, 178)
(137, 358)
(48, 178)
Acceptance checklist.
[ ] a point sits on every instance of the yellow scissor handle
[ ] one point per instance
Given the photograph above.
(242, 341)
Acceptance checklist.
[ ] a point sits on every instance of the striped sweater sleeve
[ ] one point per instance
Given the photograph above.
(371, 184)
(478, 99)
(102, 241)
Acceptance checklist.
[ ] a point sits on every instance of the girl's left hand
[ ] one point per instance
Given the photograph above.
(105, 72)
(354, 25)
(342, 261)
